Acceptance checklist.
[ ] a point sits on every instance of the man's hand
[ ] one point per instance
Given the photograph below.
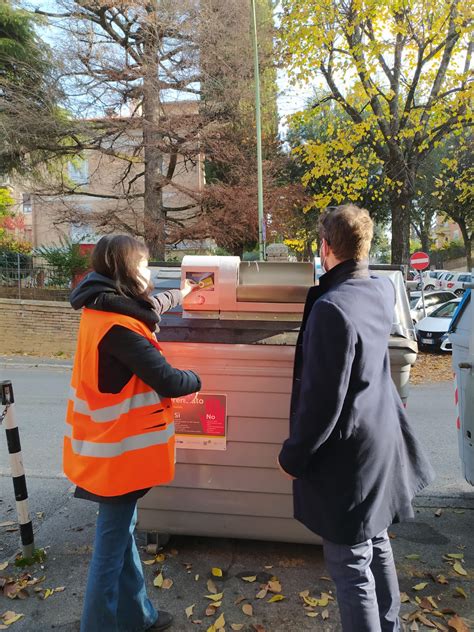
(189, 286)
(292, 478)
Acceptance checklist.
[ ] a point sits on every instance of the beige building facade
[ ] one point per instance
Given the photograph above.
(106, 191)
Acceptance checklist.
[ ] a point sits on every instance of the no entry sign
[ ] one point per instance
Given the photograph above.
(419, 260)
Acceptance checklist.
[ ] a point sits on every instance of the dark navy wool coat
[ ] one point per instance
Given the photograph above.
(353, 453)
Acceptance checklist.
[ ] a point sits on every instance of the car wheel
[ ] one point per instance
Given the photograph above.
(428, 288)
(459, 292)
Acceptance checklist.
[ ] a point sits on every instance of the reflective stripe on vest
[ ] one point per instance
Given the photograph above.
(112, 413)
(108, 450)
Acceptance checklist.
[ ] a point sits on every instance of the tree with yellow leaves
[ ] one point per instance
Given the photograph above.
(398, 71)
(454, 190)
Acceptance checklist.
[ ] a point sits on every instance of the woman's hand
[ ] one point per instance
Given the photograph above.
(189, 286)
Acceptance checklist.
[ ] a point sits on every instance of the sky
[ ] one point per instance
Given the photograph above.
(290, 98)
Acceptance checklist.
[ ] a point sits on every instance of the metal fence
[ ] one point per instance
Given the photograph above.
(34, 282)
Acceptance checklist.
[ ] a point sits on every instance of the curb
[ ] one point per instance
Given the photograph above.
(33, 362)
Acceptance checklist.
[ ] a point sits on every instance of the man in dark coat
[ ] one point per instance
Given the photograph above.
(354, 458)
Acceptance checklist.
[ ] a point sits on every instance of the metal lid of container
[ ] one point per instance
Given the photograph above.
(402, 322)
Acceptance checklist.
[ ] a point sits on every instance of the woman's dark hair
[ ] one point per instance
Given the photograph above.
(118, 257)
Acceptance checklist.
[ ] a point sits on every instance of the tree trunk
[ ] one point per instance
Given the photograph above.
(308, 251)
(467, 238)
(400, 208)
(154, 218)
(425, 240)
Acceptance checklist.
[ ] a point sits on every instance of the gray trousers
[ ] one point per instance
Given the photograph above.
(366, 584)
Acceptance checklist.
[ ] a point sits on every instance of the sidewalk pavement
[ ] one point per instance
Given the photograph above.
(64, 526)
(442, 527)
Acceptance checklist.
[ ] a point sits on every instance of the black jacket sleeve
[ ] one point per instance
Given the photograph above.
(328, 353)
(136, 354)
(165, 301)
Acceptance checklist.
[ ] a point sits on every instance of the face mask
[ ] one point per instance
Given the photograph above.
(144, 274)
(323, 256)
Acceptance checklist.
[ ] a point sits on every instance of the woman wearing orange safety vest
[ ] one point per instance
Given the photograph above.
(119, 439)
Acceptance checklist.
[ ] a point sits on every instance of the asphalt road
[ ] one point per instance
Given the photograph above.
(65, 528)
(41, 393)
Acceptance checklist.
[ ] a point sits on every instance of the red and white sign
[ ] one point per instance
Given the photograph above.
(200, 421)
(419, 260)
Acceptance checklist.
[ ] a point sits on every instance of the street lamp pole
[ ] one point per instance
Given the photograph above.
(258, 117)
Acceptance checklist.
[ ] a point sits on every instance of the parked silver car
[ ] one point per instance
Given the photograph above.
(432, 301)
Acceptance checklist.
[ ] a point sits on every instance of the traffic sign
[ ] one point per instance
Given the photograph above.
(419, 260)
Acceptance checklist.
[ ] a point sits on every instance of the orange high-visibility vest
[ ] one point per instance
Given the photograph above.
(115, 443)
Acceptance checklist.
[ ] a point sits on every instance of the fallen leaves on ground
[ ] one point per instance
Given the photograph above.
(8, 618)
(158, 559)
(459, 569)
(161, 582)
(211, 587)
(247, 609)
(458, 624)
(431, 367)
(276, 598)
(460, 592)
(217, 572)
(420, 586)
(15, 588)
(212, 608)
(274, 586)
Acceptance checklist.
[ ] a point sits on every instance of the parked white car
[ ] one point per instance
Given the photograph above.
(432, 331)
(440, 280)
(430, 277)
(432, 301)
(413, 280)
(454, 281)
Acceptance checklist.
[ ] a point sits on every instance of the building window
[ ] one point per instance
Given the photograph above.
(27, 203)
(81, 232)
(78, 171)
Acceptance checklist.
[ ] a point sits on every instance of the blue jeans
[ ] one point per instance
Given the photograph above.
(366, 584)
(116, 598)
